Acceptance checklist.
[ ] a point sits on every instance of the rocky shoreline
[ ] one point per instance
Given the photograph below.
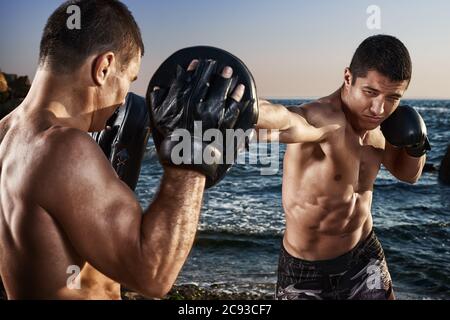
(13, 89)
(188, 292)
(195, 292)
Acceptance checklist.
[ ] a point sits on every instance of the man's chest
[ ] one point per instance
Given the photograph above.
(355, 160)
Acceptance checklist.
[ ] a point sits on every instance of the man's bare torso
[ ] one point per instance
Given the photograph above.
(327, 187)
(35, 253)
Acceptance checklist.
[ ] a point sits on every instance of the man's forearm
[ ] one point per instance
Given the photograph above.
(407, 168)
(288, 126)
(170, 224)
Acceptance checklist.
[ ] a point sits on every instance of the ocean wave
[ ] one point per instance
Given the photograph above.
(434, 109)
(437, 231)
(221, 239)
(239, 235)
(428, 225)
(228, 235)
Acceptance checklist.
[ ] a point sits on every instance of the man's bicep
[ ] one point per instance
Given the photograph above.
(272, 116)
(99, 214)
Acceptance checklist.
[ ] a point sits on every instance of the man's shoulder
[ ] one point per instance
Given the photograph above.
(322, 112)
(375, 138)
(67, 159)
(61, 147)
(68, 140)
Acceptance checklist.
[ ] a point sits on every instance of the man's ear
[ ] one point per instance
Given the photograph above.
(101, 67)
(348, 77)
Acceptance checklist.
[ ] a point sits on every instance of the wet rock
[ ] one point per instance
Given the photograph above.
(429, 167)
(19, 87)
(3, 83)
(13, 89)
(195, 292)
(444, 169)
(4, 90)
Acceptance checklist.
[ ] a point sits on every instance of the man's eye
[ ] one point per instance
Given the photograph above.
(371, 93)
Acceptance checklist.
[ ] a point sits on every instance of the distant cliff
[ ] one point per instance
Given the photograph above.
(13, 89)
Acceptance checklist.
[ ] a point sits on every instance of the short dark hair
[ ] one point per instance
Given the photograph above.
(106, 25)
(385, 54)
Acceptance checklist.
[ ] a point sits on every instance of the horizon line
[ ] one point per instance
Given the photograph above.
(315, 98)
(278, 97)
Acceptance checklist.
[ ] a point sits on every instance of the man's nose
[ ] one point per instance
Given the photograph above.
(377, 108)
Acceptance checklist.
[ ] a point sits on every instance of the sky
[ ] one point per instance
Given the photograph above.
(294, 48)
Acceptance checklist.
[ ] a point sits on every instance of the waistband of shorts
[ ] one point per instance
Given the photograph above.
(341, 262)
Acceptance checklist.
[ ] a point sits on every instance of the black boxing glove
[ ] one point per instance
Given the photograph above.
(201, 95)
(125, 138)
(405, 128)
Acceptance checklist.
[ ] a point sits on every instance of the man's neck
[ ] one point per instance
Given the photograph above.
(59, 96)
(349, 116)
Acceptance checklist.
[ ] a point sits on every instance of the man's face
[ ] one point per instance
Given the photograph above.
(121, 80)
(113, 93)
(372, 99)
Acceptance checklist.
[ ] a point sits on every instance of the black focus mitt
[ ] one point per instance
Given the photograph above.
(183, 99)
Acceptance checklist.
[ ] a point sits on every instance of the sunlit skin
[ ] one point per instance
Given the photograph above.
(58, 109)
(62, 204)
(328, 183)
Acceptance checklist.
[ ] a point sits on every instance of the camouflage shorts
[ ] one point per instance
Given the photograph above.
(359, 274)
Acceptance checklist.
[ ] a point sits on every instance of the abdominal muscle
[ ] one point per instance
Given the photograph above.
(325, 218)
(315, 233)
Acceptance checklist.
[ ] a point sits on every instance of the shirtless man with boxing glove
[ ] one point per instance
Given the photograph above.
(63, 208)
(329, 249)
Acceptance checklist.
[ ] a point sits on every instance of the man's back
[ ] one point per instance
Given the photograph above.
(327, 187)
(35, 252)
